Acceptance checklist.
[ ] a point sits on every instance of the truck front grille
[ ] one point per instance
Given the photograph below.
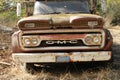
(60, 40)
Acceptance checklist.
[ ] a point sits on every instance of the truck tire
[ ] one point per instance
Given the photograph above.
(110, 62)
(29, 68)
(107, 64)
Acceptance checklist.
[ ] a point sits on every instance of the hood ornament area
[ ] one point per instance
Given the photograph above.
(92, 24)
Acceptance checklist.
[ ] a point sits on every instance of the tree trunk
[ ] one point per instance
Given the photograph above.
(104, 5)
(93, 6)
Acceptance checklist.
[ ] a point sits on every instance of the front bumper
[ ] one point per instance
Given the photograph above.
(62, 57)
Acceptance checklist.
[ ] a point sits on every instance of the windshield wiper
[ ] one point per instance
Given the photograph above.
(74, 12)
(54, 13)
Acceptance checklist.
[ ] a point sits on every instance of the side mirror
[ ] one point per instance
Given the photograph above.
(18, 11)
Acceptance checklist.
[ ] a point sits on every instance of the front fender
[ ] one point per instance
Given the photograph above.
(109, 40)
(15, 42)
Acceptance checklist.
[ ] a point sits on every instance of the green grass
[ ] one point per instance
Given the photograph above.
(9, 17)
(114, 11)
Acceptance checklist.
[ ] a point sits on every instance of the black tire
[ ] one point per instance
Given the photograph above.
(109, 63)
(106, 64)
(29, 68)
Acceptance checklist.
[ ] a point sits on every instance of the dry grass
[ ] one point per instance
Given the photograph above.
(15, 73)
(12, 71)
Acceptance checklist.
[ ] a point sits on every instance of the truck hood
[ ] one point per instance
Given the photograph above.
(58, 21)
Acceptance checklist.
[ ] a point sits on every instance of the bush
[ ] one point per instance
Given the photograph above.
(114, 11)
(9, 17)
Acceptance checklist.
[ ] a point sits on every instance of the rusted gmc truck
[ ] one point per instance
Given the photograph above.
(62, 31)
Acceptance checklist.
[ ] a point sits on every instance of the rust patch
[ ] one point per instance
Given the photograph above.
(108, 46)
(109, 53)
(61, 36)
(70, 53)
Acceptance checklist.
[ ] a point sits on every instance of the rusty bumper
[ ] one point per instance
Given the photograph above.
(62, 57)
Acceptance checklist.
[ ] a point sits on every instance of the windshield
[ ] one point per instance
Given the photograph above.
(61, 6)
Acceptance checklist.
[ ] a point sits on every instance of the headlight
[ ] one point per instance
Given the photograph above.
(34, 41)
(93, 39)
(30, 41)
(88, 39)
(27, 41)
(96, 39)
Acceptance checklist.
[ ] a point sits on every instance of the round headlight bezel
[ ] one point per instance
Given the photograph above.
(34, 41)
(96, 39)
(88, 39)
(27, 41)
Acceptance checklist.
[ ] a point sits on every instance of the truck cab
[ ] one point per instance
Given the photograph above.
(61, 31)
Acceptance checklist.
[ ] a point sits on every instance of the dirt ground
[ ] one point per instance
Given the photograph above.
(9, 70)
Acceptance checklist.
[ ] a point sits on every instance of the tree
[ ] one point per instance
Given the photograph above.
(2, 3)
(104, 6)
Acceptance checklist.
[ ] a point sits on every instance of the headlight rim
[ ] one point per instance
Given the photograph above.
(26, 42)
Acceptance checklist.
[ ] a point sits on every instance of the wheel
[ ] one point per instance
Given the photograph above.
(107, 64)
(110, 62)
(29, 68)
